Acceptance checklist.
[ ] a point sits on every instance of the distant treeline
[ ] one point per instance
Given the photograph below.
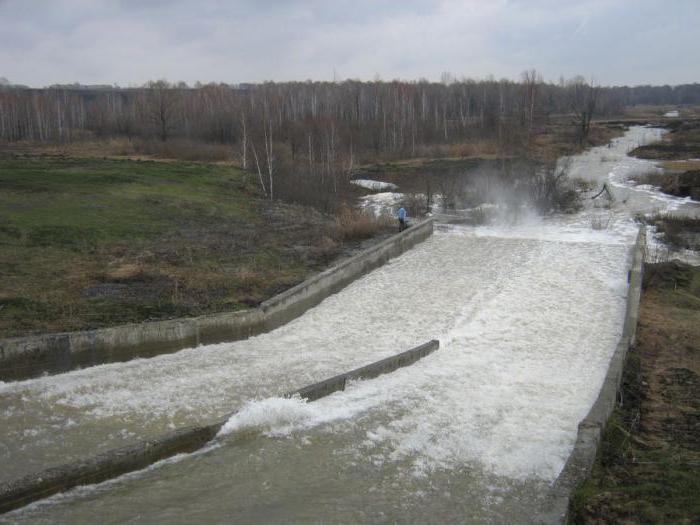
(382, 116)
(324, 128)
(684, 94)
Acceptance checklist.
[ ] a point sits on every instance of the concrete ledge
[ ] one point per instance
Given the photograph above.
(385, 366)
(18, 493)
(590, 429)
(21, 492)
(25, 357)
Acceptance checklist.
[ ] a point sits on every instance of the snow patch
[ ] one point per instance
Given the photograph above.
(374, 185)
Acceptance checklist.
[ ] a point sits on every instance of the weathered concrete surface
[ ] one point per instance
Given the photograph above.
(590, 429)
(109, 465)
(385, 366)
(24, 357)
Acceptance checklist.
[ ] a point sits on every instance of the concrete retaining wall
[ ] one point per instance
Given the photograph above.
(24, 357)
(590, 429)
(18, 493)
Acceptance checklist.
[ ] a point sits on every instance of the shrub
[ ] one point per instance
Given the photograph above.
(352, 224)
(184, 149)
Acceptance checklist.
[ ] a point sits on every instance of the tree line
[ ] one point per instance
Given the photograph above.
(379, 116)
(322, 129)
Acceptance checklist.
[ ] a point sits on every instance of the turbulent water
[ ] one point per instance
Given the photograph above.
(527, 315)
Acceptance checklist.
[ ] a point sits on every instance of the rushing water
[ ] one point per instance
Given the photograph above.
(527, 315)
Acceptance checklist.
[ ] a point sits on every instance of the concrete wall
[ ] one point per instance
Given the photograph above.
(24, 357)
(385, 366)
(21, 492)
(590, 429)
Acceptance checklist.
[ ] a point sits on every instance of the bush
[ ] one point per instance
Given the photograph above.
(352, 224)
(184, 149)
(678, 231)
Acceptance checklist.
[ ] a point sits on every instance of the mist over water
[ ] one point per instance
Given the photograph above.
(528, 313)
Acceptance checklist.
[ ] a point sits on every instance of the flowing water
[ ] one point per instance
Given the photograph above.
(528, 317)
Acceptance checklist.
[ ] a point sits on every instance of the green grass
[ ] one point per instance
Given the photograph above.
(88, 242)
(51, 200)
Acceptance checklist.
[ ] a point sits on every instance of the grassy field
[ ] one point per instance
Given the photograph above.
(90, 242)
(648, 464)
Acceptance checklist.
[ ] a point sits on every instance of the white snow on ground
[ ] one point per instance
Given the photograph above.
(374, 185)
(672, 114)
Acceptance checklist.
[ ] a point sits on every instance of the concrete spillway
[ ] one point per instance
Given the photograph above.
(527, 327)
(527, 316)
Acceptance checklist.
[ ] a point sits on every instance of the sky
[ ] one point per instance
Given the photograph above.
(128, 42)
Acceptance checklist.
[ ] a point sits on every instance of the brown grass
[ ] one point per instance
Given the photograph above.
(678, 231)
(352, 224)
(125, 148)
(681, 165)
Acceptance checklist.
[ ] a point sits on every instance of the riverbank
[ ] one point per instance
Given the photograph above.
(646, 468)
(679, 155)
(90, 242)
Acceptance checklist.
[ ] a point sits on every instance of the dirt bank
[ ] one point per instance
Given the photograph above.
(647, 469)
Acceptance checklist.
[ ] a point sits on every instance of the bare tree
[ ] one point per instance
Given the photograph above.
(583, 100)
(244, 142)
(257, 165)
(531, 82)
(162, 107)
(269, 158)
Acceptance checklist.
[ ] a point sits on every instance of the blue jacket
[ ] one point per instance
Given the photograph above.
(402, 214)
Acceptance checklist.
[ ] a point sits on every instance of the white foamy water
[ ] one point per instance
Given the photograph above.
(381, 203)
(517, 370)
(436, 290)
(528, 317)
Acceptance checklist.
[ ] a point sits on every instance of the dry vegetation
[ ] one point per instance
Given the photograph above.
(678, 231)
(656, 112)
(686, 184)
(682, 143)
(354, 225)
(126, 148)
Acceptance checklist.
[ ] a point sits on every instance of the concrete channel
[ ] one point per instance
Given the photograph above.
(18, 493)
(590, 430)
(26, 357)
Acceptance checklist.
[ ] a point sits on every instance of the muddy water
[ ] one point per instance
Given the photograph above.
(527, 315)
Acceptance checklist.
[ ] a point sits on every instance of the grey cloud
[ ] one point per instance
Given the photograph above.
(129, 41)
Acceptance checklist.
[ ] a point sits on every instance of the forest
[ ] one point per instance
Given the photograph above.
(302, 136)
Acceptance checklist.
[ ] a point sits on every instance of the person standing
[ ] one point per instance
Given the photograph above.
(402, 219)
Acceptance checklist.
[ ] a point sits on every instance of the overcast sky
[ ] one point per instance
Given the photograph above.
(131, 41)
